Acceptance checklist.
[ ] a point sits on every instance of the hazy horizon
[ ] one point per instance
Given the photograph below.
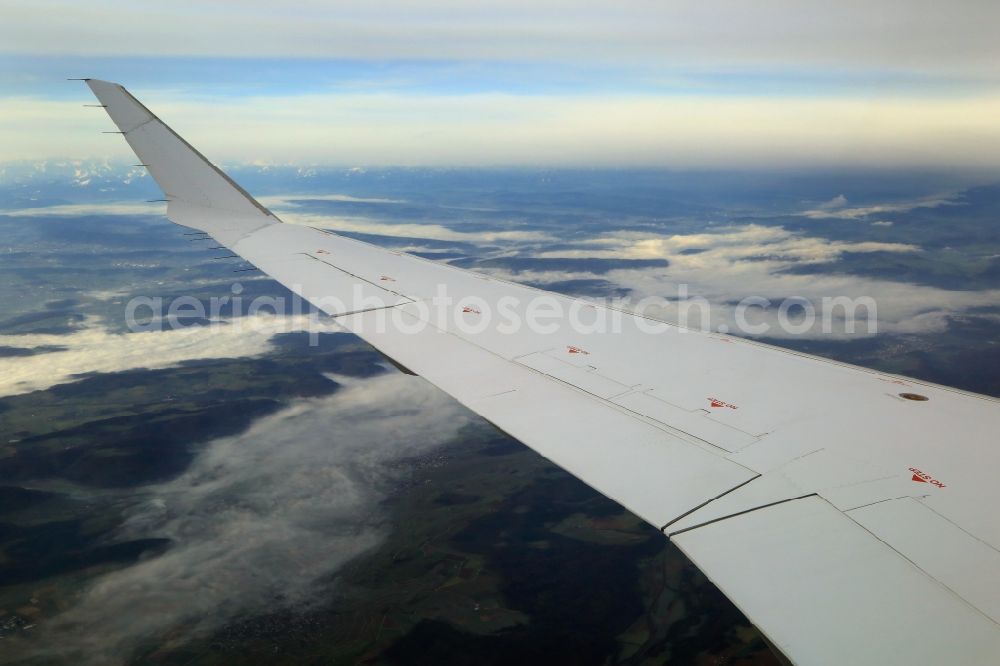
(777, 85)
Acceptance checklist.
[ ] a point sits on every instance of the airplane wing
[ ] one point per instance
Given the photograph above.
(850, 514)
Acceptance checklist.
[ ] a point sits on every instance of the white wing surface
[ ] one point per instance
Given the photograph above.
(851, 524)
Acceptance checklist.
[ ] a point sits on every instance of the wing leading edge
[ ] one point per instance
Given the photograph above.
(798, 501)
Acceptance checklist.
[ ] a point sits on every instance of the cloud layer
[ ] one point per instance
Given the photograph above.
(536, 129)
(257, 520)
(730, 264)
(922, 34)
(721, 265)
(93, 349)
(632, 82)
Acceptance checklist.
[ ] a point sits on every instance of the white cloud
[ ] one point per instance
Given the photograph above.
(291, 200)
(422, 231)
(74, 210)
(860, 212)
(838, 201)
(752, 261)
(731, 245)
(290, 210)
(258, 517)
(95, 349)
(729, 263)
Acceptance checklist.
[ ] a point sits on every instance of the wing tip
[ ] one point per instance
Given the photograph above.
(91, 81)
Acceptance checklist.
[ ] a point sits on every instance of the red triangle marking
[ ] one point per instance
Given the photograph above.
(917, 478)
(716, 403)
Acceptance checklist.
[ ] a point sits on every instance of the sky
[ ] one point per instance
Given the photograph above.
(597, 83)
